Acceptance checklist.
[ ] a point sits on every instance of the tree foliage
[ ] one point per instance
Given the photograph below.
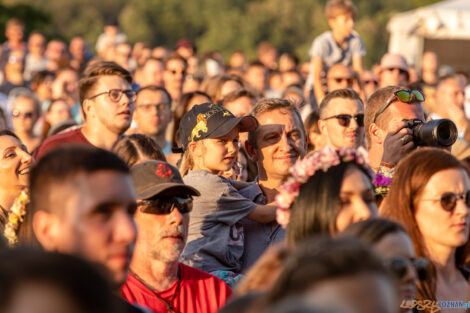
(223, 25)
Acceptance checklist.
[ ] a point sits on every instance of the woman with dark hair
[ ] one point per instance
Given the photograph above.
(328, 190)
(219, 86)
(137, 148)
(390, 240)
(430, 197)
(15, 163)
(57, 112)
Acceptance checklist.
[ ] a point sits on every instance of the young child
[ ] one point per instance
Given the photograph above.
(340, 45)
(209, 135)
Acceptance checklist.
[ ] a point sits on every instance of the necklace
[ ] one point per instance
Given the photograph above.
(169, 308)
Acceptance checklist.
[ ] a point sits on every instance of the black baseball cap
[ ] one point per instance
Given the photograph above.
(153, 178)
(209, 120)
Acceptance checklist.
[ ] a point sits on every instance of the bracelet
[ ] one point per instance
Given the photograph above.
(385, 164)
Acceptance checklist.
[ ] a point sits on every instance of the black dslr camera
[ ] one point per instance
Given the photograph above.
(435, 133)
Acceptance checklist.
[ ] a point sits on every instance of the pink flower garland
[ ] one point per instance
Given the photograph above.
(307, 167)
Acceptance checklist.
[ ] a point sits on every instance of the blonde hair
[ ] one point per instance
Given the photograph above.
(187, 163)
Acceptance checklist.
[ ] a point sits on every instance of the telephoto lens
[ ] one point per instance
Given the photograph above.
(435, 133)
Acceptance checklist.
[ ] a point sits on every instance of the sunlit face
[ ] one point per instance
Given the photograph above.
(161, 237)
(152, 112)
(343, 24)
(280, 142)
(174, 74)
(256, 77)
(351, 135)
(115, 116)
(440, 228)
(452, 94)
(197, 99)
(357, 199)
(58, 112)
(152, 73)
(24, 115)
(15, 163)
(339, 77)
(241, 106)
(228, 87)
(393, 77)
(217, 154)
(96, 220)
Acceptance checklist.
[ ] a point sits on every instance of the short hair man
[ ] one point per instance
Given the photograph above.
(275, 146)
(267, 54)
(256, 76)
(342, 119)
(174, 74)
(153, 114)
(339, 76)
(394, 71)
(240, 102)
(107, 101)
(151, 73)
(82, 201)
(157, 279)
(122, 54)
(388, 138)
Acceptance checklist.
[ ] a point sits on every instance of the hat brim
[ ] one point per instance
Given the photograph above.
(247, 123)
(168, 189)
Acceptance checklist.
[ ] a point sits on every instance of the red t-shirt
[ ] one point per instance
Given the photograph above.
(199, 292)
(70, 136)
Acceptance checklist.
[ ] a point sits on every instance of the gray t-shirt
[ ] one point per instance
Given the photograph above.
(258, 236)
(215, 237)
(326, 48)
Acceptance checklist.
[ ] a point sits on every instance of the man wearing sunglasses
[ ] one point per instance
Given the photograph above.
(174, 74)
(388, 137)
(339, 76)
(156, 278)
(342, 119)
(107, 102)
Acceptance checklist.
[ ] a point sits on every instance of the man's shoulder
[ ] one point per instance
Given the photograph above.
(69, 136)
(194, 275)
(324, 38)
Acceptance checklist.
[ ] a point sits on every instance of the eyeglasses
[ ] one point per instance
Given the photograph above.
(339, 80)
(406, 96)
(158, 106)
(165, 205)
(449, 200)
(26, 115)
(345, 119)
(399, 267)
(116, 94)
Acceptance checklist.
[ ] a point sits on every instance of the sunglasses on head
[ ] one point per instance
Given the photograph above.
(345, 119)
(448, 200)
(17, 114)
(405, 96)
(400, 266)
(165, 205)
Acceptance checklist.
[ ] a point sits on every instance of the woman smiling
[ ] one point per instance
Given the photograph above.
(15, 163)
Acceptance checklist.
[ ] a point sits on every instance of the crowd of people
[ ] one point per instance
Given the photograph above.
(150, 179)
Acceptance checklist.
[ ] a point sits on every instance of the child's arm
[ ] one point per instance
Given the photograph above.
(357, 65)
(263, 214)
(317, 82)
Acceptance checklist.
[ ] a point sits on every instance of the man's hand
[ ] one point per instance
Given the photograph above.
(398, 143)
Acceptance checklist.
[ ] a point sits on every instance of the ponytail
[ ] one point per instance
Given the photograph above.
(187, 163)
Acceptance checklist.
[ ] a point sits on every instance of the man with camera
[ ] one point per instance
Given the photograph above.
(394, 123)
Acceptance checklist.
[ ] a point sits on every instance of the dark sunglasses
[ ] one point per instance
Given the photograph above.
(165, 205)
(345, 119)
(174, 72)
(405, 95)
(448, 200)
(399, 267)
(25, 115)
(401, 71)
(116, 94)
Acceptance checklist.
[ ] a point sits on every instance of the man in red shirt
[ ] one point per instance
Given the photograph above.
(156, 279)
(107, 101)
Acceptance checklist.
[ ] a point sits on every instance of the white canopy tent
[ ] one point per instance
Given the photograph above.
(443, 27)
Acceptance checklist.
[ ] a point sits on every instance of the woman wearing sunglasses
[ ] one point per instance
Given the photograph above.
(430, 197)
(392, 243)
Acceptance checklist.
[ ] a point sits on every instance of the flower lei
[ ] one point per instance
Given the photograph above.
(303, 169)
(16, 217)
